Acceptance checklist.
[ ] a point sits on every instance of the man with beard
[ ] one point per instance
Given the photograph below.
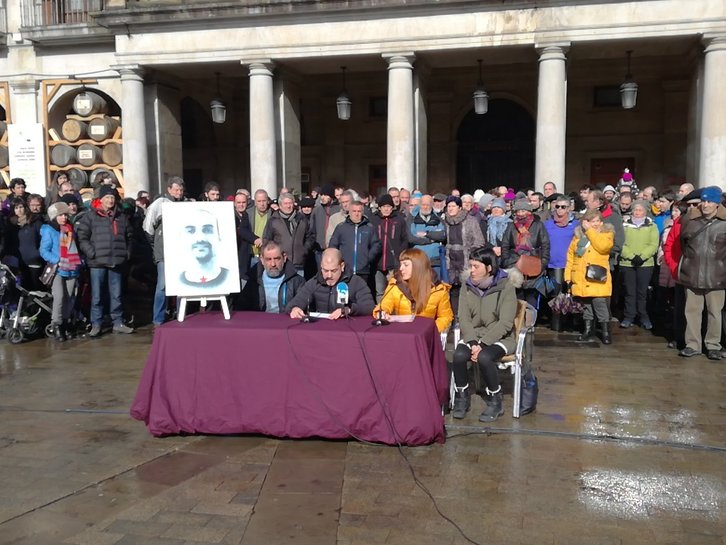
(273, 282)
(202, 233)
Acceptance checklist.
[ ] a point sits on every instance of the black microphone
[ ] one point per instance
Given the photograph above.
(380, 320)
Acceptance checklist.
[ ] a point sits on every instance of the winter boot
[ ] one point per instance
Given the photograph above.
(494, 408)
(587, 332)
(70, 329)
(605, 333)
(462, 402)
(59, 333)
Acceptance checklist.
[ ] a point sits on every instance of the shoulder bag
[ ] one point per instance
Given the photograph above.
(48, 274)
(529, 265)
(596, 273)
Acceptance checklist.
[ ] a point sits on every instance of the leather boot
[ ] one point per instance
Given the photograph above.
(587, 332)
(58, 333)
(462, 402)
(495, 407)
(605, 333)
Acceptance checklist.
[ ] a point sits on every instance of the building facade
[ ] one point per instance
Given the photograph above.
(552, 71)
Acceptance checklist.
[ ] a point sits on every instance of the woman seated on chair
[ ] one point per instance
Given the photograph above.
(487, 309)
(415, 289)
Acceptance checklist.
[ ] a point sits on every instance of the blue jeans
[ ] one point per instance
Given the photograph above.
(106, 283)
(159, 312)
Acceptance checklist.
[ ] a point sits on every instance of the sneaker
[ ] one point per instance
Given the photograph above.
(672, 344)
(122, 328)
(646, 324)
(714, 355)
(625, 324)
(95, 331)
(689, 352)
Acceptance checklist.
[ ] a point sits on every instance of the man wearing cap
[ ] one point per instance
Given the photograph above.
(321, 217)
(104, 237)
(702, 271)
(392, 231)
(439, 204)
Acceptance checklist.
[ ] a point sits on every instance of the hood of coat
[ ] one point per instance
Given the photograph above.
(606, 228)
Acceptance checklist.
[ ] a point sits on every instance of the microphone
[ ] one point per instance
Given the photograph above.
(380, 321)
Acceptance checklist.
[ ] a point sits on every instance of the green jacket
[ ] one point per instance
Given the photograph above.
(642, 241)
(488, 318)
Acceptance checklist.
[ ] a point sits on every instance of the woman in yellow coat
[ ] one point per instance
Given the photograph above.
(588, 272)
(415, 289)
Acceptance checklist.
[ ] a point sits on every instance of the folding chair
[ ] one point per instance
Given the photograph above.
(524, 330)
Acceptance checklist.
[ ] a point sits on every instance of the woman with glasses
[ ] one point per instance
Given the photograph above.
(560, 228)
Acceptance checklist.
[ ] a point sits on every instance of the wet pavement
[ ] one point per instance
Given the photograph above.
(628, 445)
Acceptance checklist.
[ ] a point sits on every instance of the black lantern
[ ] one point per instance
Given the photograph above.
(343, 101)
(629, 89)
(219, 110)
(481, 98)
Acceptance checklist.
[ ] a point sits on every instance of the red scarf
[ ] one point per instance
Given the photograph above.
(69, 258)
(523, 242)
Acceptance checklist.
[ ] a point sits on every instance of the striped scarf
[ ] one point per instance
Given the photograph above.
(69, 258)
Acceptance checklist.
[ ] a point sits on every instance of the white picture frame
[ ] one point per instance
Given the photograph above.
(200, 249)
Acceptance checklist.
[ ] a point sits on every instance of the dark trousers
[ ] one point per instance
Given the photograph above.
(487, 362)
(679, 316)
(636, 281)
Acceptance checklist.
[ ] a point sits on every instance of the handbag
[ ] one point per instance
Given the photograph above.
(529, 393)
(48, 274)
(529, 265)
(596, 273)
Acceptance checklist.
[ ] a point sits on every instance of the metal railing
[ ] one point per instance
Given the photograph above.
(43, 13)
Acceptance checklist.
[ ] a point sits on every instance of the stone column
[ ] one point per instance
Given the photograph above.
(551, 118)
(24, 100)
(712, 160)
(401, 149)
(133, 118)
(288, 134)
(263, 151)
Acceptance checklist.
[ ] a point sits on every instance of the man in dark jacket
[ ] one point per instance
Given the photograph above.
(290, 229)
(321, 216)
(334, 291)
(392, 231)
(245, 237)
(702, 271)
(104, 237)
(272, 283)
(358, 241)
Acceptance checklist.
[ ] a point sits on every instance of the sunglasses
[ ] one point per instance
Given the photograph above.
(562, 206)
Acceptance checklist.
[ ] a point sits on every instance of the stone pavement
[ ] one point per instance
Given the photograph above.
(628, 446)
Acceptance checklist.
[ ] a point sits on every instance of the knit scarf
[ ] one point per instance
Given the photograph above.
(524, 237)
(290, 221)
(69, 258)
(582, 244)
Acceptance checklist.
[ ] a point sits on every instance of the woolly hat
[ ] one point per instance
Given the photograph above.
(485, 200)
(711, 194)
(626, 177)
(510, 195)
(478, 194)
(384, 200)
(55, 210)
(608, 188)
(328, 190)
(307, 202)
(522, 204)
(453, 198)
(69, 198)
(104, 190)
(499, 203)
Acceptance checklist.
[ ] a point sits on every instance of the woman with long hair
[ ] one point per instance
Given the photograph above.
(22, 238)
(415, 289)
(58, 246)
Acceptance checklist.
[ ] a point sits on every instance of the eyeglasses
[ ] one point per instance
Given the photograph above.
(562, 206)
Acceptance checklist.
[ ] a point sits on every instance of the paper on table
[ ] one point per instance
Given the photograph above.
(401, 318)
(319, 315)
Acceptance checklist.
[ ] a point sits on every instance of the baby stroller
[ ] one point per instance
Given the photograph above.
(23, 313)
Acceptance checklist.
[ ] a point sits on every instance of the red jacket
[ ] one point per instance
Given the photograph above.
(672, 248)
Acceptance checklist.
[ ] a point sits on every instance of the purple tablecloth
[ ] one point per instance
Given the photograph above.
(268, 374)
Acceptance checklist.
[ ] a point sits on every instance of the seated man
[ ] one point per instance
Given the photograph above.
(273, 281)
(321, 293)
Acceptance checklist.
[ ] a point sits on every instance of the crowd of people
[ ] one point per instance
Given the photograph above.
(628, 256)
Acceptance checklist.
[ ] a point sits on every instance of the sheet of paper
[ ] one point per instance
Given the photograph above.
(401, 318)
(319, 315)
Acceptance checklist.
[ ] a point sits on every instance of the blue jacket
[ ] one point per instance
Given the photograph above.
(560, 238)
(431, 242)
(359, 244)
(50, 249)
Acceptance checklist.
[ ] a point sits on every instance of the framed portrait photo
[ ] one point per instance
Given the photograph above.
(200, 249)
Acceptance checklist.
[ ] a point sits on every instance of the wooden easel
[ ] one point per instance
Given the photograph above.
(181, 312)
